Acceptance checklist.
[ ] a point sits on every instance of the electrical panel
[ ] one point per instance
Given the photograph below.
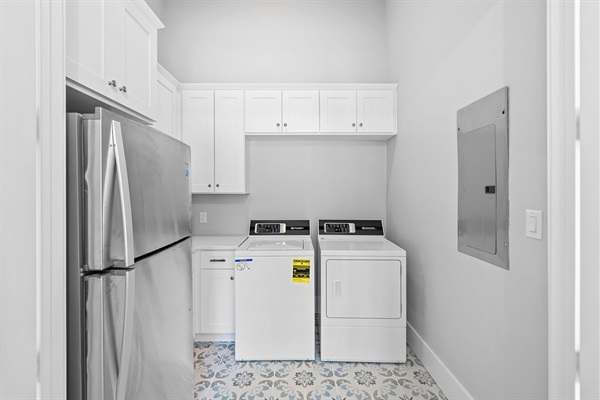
(482, 134)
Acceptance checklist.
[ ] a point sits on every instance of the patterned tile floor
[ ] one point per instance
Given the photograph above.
(218, 376)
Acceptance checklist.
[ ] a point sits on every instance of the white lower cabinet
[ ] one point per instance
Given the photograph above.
(214, 295)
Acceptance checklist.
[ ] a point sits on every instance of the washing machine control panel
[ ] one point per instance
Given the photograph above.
(269, 228)
(279, 227)
(347, 227)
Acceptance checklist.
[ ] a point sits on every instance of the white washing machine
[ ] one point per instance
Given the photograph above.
(362, 278)
(274, 292)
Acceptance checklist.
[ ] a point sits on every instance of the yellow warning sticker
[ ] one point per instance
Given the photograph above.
(301, 270)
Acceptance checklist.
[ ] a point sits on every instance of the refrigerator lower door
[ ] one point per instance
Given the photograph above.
(161, 364)
(109, 302)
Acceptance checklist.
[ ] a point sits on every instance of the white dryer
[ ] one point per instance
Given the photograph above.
(274, 292)
(362, 278)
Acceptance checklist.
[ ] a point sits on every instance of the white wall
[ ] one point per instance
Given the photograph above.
(273, 41)
(158, 6)
(300, 180)
(18, 193)
(488, 325)
(284, 41)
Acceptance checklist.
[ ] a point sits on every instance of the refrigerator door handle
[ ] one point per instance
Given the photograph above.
(125, 356)
(123, 182)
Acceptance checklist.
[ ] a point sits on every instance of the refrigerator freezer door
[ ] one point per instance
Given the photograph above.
(155, 168)
(109, 301)
(162, 365)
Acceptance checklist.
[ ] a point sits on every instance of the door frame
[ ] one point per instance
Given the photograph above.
(51, 200)
(561, 198)
(589, 122)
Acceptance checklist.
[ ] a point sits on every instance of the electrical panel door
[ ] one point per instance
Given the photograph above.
(482, 137)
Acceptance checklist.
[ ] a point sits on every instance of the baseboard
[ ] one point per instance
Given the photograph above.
(449, 384)
(214, 337)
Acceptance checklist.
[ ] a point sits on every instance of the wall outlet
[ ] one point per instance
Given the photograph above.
(203, 217)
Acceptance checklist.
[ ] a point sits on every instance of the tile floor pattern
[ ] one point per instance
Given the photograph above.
(219, 377)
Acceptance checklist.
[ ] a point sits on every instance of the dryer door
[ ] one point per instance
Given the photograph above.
(364, 289)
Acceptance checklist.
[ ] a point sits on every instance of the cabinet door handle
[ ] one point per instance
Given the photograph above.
(209, 185)
(217, 185)
(123, 89)
(231, 277)
(353, 124)
(360, 124)
(217, 260)
(278, 124)
(112, 83)
(285, 125)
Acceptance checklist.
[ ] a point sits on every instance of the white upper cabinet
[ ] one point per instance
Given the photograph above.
(300, 111)
(230, 143)
(111, 50)
(168, 103)
(348, 111)
(374, 111)
(87, 30)
(361, 111)
(198, 127)
(263, 111)
(338, 110)
(139, 58)
(273, 111)
(213, 126)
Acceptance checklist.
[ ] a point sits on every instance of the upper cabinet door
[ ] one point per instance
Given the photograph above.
(138, 90)
(263, 111)
(375, 111)
(167, 105)
(87, 31)
(230, 142)
(111, 50)
(198, 132)
(338, 110)
(300, 110)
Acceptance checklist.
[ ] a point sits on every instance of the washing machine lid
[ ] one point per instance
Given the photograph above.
(277, 246)
(380, 247)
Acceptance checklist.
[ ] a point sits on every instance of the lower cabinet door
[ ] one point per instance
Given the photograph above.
(216, 301)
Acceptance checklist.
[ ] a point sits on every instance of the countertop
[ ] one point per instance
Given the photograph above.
(216, 242)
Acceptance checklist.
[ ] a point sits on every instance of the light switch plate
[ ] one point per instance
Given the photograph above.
(203, 217)
(534, 224)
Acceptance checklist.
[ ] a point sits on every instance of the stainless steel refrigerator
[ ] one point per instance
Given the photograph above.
(129, 277)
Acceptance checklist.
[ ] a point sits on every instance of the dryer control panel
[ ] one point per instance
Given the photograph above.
(350, 227)
(279, 227)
